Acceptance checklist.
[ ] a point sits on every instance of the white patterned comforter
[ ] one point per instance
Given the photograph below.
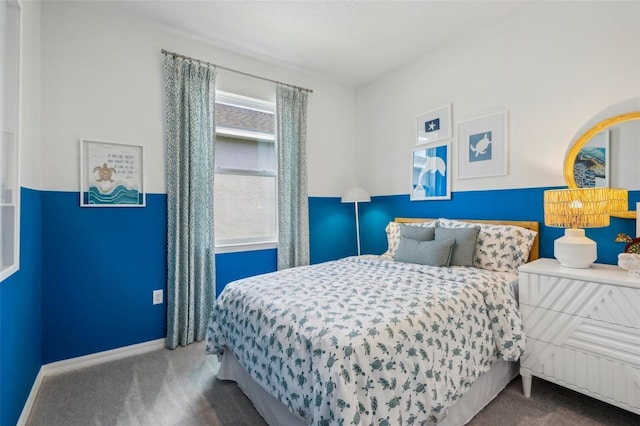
(364, 340)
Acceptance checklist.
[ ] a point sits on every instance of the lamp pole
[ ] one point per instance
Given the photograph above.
(355, 195)
(357, 228)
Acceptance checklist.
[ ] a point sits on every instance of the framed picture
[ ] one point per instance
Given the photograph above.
(591, 167)
(111, 174)
(482, 146)
(430, 172)
(434, 125)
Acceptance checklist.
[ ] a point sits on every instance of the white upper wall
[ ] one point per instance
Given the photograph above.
(553, 66)
(102, 78)
(30, 158)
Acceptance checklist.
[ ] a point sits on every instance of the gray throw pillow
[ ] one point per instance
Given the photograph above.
(465, 245)
(433, 253)
(421, 233)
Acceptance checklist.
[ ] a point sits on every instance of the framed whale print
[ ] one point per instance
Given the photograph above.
(434, 125)
(111, 174)
(430, 172)
(482, 146)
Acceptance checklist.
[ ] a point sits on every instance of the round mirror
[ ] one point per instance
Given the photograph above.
(606, 155)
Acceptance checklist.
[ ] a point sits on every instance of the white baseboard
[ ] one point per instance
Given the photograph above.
(67, 365)
(28, 406)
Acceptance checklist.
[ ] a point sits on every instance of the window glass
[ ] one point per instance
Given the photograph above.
(245, 208)
(245, 154)
(245, 179)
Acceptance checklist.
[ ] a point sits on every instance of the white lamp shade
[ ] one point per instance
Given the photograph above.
(353, 195)
(574, 249)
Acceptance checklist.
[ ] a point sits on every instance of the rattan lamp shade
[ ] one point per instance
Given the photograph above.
(574, 209)
(618, 200)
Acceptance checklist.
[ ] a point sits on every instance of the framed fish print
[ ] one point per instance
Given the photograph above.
(111, 174)
(482, 146)
(430, 172)
(434, 125)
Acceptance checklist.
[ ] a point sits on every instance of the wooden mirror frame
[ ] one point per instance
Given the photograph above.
(570, 159)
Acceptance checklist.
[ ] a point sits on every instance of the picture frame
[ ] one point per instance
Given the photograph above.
(431, 172)
(111, 174)
(591, 168)
(435, 125)
(483, 146)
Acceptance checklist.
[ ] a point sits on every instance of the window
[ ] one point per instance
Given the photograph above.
(245, 174)
(9, 137)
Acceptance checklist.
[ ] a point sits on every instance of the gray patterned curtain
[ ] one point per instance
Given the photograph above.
(293, 207)
(190, 120)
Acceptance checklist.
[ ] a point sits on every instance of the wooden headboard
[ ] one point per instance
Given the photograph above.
(532, 225)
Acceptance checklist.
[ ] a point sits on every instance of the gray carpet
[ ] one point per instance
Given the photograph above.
(179, 387)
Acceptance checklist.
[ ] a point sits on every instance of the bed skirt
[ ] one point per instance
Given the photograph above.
(275, 413)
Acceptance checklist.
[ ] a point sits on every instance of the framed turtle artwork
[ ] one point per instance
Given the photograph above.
(111, 174)
(482, 146)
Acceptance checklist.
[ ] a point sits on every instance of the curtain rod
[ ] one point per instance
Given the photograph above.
(166, 52)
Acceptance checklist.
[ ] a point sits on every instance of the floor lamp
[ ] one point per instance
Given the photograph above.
(356, 195)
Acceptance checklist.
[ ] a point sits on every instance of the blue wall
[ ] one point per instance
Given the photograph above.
(332, 229)
(21, 315)
(87, 274)
(511, 204)
(101, 266)
(234, 266)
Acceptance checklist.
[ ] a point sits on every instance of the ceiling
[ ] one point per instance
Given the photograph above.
(348, 42)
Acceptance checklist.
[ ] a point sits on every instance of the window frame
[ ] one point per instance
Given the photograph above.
(232, 99)
(12, 10)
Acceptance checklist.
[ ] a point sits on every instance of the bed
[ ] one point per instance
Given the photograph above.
(379, 339)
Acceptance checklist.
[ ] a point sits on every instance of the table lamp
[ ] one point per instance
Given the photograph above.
(356, 195)
(574, 210)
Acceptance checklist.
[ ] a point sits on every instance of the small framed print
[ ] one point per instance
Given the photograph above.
(591, 166)
(111, 174)
(434, 125)
(482, 146)
(430, 174)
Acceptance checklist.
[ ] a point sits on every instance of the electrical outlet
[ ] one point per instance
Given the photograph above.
(158, 297)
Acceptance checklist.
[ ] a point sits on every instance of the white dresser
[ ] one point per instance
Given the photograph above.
(582, 330)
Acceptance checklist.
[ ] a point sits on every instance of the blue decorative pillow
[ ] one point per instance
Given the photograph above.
(433, 253)
(464, 248)
(393, 236)
(417, 232)
(500, 247)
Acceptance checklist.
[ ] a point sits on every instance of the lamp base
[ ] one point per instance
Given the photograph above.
(575, 250)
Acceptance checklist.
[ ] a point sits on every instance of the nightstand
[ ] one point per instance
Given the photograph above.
(582, 330)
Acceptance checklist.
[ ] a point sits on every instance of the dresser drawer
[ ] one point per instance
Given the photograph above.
(606, 340)
(600, 302)
(611, 381)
